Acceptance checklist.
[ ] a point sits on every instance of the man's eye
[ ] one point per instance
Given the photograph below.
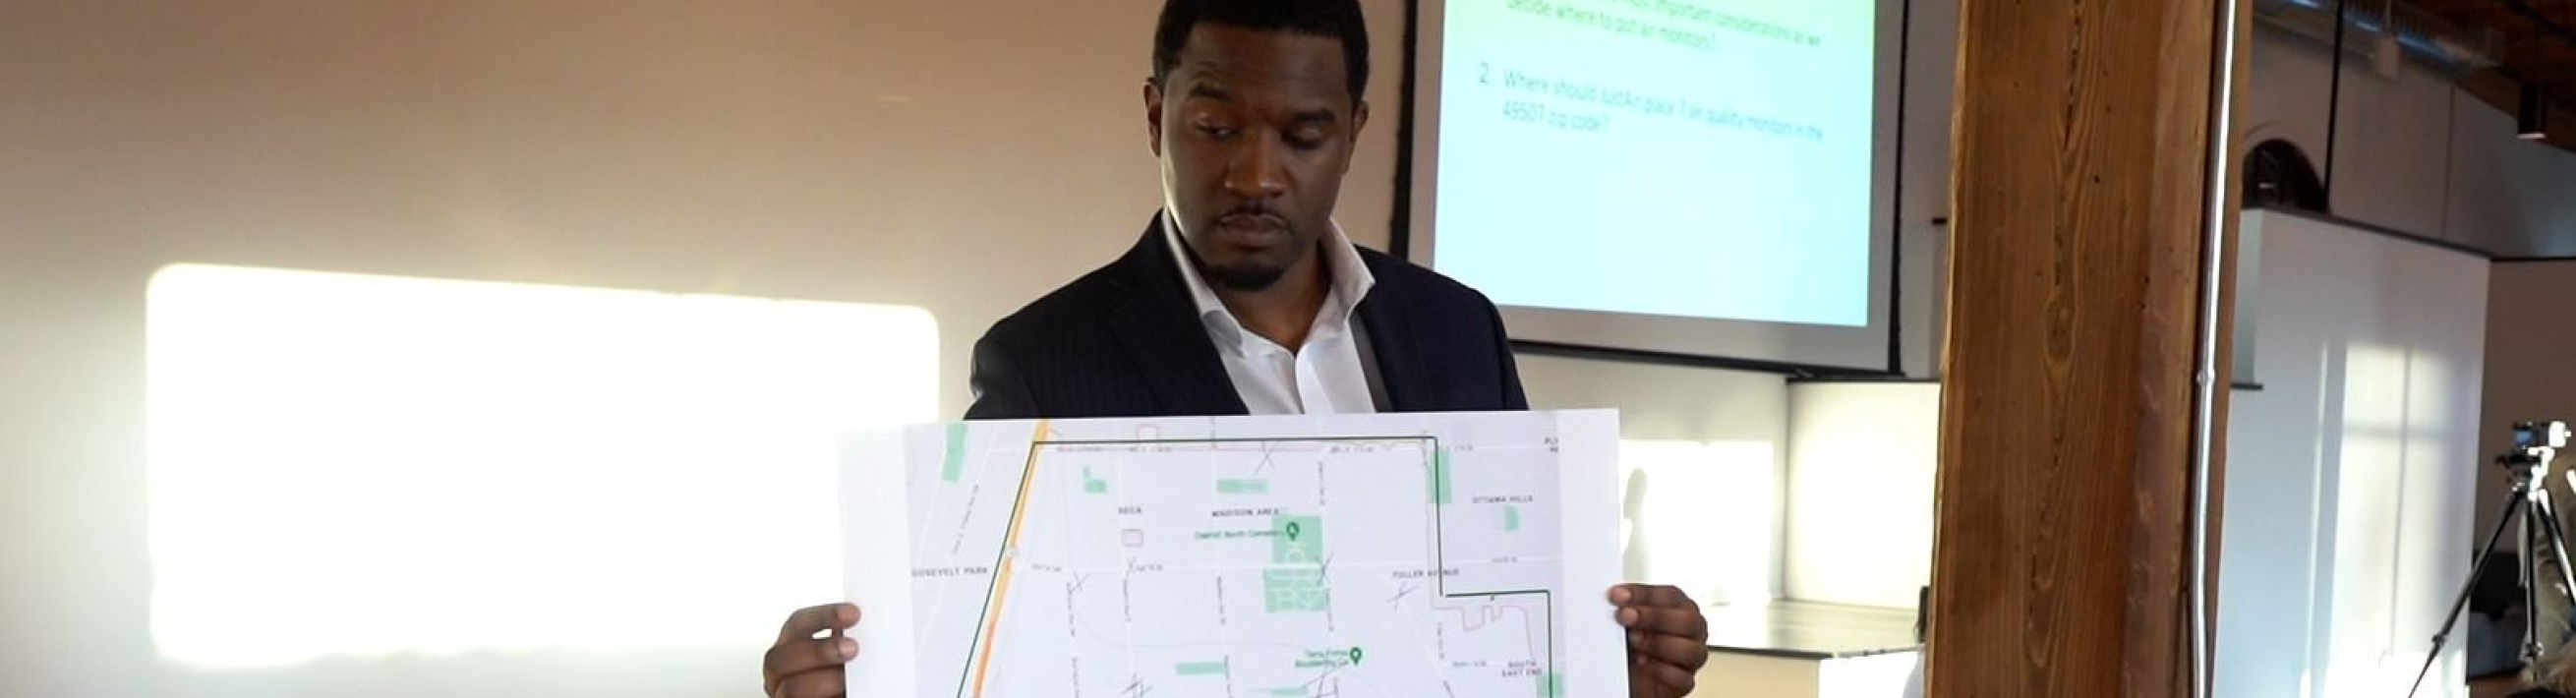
(1306, 140)
(1217, 130)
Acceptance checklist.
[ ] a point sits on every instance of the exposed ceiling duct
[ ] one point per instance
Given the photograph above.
(2424, 38)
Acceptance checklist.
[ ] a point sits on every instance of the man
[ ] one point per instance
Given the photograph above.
(1244, 298)
(2554, 676)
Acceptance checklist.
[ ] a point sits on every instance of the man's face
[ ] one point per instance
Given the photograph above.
(1255, 130)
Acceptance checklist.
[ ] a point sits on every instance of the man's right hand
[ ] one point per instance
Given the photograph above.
(804, 666)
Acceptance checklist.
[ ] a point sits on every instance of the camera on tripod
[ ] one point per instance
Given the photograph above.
(2540, 556)
(2535, 444)
(2532, 434)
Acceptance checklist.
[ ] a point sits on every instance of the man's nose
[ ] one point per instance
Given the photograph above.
(1257, 171)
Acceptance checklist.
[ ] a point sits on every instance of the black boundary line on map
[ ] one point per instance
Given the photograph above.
(1028, 469)
(1550, 683)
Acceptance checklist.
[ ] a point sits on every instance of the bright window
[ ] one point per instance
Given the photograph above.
(348, 465)
(1702, 516)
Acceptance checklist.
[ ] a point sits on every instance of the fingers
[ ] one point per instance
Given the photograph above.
(1663, 665)
(1679, 622)
(1667, 635)
(825, 683)
(1650, 595)
(1682, 652)
(800, 656)
(807, 622)
(1659, 610)
(1673, 677)
(805, 666)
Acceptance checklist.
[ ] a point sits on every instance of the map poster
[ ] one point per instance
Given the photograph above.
(1443, 555)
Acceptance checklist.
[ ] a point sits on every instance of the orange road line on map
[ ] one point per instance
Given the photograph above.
(1010, 548)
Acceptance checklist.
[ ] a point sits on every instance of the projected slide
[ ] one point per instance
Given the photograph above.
(1685, 158)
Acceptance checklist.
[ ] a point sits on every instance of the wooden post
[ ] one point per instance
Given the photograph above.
(2082, 183)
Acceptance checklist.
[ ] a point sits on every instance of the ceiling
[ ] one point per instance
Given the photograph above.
(2535, 42)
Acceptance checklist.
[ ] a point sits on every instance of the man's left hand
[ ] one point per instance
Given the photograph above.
(1667, 639)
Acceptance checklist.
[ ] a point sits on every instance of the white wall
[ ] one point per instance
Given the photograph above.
(896, 151)
(2349, 485)
(2394, 135)
(958, 157)
(2413, 153)
(2509, 196)
(1861, 462)
(2419, 156)
(1718, 557)
(962, 157)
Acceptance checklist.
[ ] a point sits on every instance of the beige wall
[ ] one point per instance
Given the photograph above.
(2531, 366)
(963, 157)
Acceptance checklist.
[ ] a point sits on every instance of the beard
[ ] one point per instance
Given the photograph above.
(1240, 274)
(1245, 276)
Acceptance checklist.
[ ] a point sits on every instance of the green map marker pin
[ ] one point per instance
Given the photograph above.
(1355, 655)
(1292, 530)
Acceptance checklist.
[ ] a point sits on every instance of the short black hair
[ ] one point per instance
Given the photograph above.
(1330, 19)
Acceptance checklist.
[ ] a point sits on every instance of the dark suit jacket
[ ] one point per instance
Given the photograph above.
(1126, 341)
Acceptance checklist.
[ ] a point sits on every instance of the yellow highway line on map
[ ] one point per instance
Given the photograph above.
(1010, 549)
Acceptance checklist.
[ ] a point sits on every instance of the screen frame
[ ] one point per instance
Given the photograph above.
(1575, 333)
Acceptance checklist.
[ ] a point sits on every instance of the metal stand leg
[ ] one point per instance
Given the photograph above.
(2530, 567)
(2477, 569)
(2546, 509)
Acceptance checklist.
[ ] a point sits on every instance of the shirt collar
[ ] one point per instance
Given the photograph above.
(1351, 282)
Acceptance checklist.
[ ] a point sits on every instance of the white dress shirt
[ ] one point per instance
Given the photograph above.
(1329, 375)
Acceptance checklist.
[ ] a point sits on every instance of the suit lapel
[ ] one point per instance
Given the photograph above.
(1161, 331)
(1390, 340)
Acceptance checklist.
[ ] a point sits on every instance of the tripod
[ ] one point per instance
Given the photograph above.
(2529, 503)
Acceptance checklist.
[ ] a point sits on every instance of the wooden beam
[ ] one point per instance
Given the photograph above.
(2489, 16)
(2547, 73)
(2546, 7)
(2538, 50)
(2061, 555)
(2451, 5)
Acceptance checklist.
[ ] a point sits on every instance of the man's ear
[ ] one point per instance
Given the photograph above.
(1359, 122)
(1154, 117)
